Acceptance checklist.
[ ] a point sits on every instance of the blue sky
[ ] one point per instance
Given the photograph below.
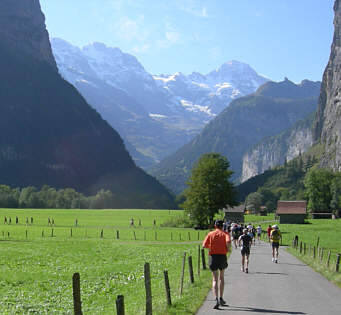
(278, 38)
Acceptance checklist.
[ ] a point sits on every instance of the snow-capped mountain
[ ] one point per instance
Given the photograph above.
(155, 114)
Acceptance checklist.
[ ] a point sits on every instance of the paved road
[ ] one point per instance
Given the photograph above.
(289, 287)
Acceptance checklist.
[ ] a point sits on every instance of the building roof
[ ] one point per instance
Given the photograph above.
(236, 209)
(291, 207)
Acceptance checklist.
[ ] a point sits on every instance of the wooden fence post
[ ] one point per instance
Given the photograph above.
(102, 233)
(190, 267)
(117, 234)
(180, 236)
(147, 283)
(328, 258)
(144, 235)
(182, 273)
(203, 259)
(198, 235)
(77, 304)
(42, 233)
(318, 242)
(171, 236)
(120, 305)
(314, 252)
(337, 263)
(51, 232)
(155, 236)
(167, 287)
(304, 249)
(26, 234)
(300, 247)
(321, 257)
(134, 236)
(71, 232)
(199, 260)
(189, 236)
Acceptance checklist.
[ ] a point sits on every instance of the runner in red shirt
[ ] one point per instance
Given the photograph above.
(219, 243)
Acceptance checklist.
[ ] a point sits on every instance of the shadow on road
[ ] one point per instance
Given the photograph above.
(270, 273)
(258, 310)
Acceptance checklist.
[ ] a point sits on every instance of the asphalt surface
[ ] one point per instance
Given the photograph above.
(288, 287)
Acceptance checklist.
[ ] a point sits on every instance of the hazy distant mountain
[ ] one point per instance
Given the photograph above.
(272, 109)
(48, 133)
(155, 114)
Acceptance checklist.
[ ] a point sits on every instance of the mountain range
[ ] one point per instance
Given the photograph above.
(271, 110)
(48, 132)
(155, 114)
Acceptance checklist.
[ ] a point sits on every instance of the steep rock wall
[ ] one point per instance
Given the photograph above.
(275, 150)
(22, 27)
(327, 125)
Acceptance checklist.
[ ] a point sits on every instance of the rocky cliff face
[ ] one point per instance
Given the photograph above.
(248, 120)
(22, 27)
(275, 150)
(327, 126)
(49, 135)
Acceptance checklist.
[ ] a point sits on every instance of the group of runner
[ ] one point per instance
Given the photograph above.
(219, 243)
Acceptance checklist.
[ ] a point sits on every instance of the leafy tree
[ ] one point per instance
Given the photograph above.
(254, 202)
(209, 189)
(335, 189)
(269, 198)
(318, 183)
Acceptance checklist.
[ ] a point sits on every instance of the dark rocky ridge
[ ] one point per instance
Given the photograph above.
(22, 26)
(327, 126)
(48, 133)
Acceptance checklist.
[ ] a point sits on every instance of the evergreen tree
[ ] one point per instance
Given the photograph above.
(318, 189)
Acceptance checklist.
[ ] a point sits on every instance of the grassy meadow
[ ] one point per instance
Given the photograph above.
(37, 264)
(325, 234)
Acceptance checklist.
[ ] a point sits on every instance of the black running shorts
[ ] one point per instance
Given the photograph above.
(245, 251)
(218, 262)
(275, 245)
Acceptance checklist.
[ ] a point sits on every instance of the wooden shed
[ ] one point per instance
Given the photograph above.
(235, 214)
(291, 211)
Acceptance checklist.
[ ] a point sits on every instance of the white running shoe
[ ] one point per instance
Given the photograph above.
(273, 259)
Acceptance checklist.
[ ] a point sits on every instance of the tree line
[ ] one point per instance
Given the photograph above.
(299, 179)
(51, 198)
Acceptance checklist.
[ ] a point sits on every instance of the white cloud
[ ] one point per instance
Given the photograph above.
(144, 48)
(193, 7)
(129, 29)
(171, 37)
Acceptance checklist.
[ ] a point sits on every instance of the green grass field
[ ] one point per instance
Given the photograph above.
(327, 233)
(36, 270)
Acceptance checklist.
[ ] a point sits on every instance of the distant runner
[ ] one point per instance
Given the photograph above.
(235, 234)
(275, 237)
(259, 232)
(269, 232)
(219, 243)
(245, 242)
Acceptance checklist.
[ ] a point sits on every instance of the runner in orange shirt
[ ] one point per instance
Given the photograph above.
(219, 243)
